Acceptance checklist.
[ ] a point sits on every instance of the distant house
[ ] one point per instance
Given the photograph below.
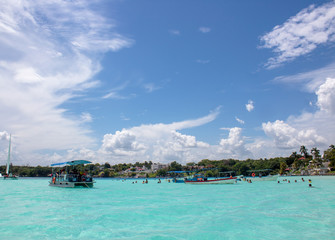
(157, 166)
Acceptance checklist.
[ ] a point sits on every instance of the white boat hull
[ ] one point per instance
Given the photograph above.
(65, 184)
(265, 178)
(214, 181)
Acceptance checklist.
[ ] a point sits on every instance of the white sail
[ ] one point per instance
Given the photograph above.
(8, 160)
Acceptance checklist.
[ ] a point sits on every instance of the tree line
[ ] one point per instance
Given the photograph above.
(296, 162)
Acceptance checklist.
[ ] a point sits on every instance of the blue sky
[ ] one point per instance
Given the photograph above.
(127, 81)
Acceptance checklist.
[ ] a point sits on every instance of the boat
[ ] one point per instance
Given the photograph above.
(9, 175)
(178, 176)
(69, 176)
(199, 178)
(260, 175)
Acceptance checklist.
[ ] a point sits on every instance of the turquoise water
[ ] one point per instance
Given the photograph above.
(30, 209)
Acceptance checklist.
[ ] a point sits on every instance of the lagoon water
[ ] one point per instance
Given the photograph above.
(30, 209)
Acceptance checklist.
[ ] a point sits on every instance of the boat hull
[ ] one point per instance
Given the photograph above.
(213, 181)
(265, 178)
(71, 184)
(9, 178)
(13, 177)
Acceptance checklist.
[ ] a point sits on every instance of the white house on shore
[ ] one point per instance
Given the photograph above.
(157, 166)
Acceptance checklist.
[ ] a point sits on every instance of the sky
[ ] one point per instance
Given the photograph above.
(124, 81)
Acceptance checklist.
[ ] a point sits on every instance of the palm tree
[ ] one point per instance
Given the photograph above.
(316, 156)
(303, 151)
(315, 153)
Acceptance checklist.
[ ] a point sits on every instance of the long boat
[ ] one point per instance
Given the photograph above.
(200, 179)
(9, 175)
(68, 176)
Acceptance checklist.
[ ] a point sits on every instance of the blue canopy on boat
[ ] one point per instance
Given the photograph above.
(74, 162)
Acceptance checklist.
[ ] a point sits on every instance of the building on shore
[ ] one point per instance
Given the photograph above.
(157, 166)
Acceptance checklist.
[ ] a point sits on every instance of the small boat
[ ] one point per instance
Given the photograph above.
(69, 176)
(201, 179)
(9, 175)
(260, 175)
(178, 176)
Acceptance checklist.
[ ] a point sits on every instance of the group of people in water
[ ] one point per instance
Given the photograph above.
(302, 179)
(146, 181)
(248, 180)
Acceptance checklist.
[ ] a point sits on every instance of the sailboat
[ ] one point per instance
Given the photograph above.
(9, 175)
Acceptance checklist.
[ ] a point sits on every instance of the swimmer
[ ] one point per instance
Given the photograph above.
(302, 179)
(288, 181)
(278, 181)
(309, 180)
(295, 180)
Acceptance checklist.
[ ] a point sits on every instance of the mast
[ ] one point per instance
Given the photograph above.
(8, 160)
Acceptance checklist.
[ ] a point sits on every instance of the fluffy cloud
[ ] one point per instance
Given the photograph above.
(122, 142)
(157, 142)
(301, 34)
(4, 135)
(234, 145)
(326, 96)
(250, 106)
(286, 136)
(309, 129)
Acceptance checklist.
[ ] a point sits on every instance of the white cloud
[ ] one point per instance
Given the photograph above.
(301, 34)
(4, 135)
(286, 136)
(309, 129)
(239, 120)
(250, 106)
(174, 32)
(204, 29)
(86, 117)
(151, 87)
(234, 145)
(156, 142)
(309, 81)
(48, 56)
(326, 96)
(202, 61)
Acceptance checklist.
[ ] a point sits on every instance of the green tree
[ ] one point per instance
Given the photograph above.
(304, 151)
(174, 166)
(283, 166)
(107, 165)
(329, 155)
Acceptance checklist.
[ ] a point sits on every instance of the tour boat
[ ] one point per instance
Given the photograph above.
(69, 176)
(8, 175)
(200, 179)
